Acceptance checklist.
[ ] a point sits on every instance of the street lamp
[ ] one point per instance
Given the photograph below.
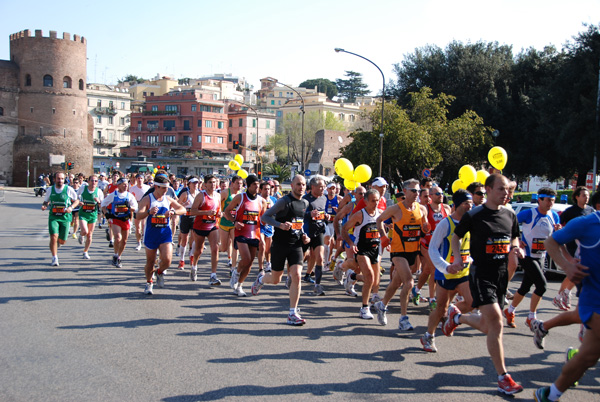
(337, 49)
(303, 111)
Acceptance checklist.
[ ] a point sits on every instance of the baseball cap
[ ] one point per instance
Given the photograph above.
(379, 181)
(332, 184)
(461, 197)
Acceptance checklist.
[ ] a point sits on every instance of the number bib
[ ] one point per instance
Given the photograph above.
(497, 248)
(411, 233)
(297, 223)
(537, 246)
(159, 221)
(250, 218)
(59, 208)
(88, 206)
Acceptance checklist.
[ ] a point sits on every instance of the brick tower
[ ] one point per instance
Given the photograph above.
(51, 104)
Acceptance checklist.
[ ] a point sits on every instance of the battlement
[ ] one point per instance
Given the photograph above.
(26, 33)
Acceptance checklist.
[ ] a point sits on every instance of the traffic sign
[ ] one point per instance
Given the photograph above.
(307, 172)
(102, 163)
(426, 173)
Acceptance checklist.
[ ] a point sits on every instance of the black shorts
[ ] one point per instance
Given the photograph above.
(488, 287)
(249, 242)
(186, 224)
(294, 255)
(372, 254)
(318, 240)
(410, 257)
(452, 284)
(204, 233)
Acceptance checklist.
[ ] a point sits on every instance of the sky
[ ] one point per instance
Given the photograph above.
(291, 41)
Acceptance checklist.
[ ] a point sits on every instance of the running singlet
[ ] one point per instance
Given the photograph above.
(189, 202)
(120, 208)
(331, 207)
(158, 230)
(446, 252)
(207, 222)
(433, 218)
(408, 230)
(535, 229)
(59, 202)
(248, 213)
(267, 230)
(367, 235)
(224, 203)
(89, 207)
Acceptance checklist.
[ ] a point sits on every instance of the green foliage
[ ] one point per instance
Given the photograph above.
(277, 171)
(352, 87)
(132, 79)
(323, 85)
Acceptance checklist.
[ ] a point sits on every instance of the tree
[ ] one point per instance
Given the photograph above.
(132, 79)
(323, 85)
(278, 171)
(352, 87)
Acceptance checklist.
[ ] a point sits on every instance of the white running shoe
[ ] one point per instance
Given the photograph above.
(80, 238)
(404, 324)
(54, 262)
(86, 256)
(160, 280)
(295, 319)
(375, 298)
(381, 312)
(351, 292)
(365, 313)
(148, 290)
(193, 274)
(240, 292)
(348, 283)
(138, 247)
(268, 266)
(257, 285)
(319, 290)
(235, 276)
(214, 281)
(338, 273)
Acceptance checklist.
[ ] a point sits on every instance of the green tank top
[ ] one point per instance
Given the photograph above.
(59, 202)
(224, 203)
(88, 204)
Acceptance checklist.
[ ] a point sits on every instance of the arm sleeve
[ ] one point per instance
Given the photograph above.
(133, 204)
(439, 234)
(574, 229)
(107, 200)
(72, 194)
(268, 218)
(525, 216)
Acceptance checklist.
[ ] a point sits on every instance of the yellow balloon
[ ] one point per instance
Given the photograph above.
(239, 159)
(467, 174)
(458, 184)
(344, 168)
(350, 184)
(243, 173)
(362, 173)
(155, 170)
(482, 175)
(233, 165)
(498, 157)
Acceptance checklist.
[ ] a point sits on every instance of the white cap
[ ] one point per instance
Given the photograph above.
(379, 182)
(332, 184)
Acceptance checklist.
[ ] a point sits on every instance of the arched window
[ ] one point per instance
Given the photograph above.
(67, 82)
(1, 111)
(28, 80)
(48, 82)
(81, 85)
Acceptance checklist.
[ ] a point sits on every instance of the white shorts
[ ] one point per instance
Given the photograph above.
(329, 231)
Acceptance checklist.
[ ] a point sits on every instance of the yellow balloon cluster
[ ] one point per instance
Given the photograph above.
(352, 177)
(467, 175)
(236, 164)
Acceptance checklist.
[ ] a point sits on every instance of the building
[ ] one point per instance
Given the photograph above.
(110, 108)
(155, 87)
(328, 144)
(220, 89)
(252, 129)
(347, 113)
(43, 107)
(271, 96)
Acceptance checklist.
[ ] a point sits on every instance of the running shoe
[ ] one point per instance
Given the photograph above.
(295, 319)
(288, 282)
(160, 280)
(404, 324)
(365, 313)
(509, 295)
(107, 235)
(375, 298)
(432, 304)
(181, 265)
(319, 290)
(54, 262)
(114, 260)
(193, 274)
(449, 326)
(415, 296)
(541, 394)
(118, 264)
(308, 279)
(111, 244)
(138, 247)
(559, 303)
(459, 298)
(234, 278)
(351, 292)
(567, 298)
(332, 265)
(581, 332)
(80, 238)
(257, 285)
(74, 236)
(381, 312)
(507, 386)
(149, 288)
(268, 266)
(229, 264)
(528, 322)
(348, 282)
(428, 342)
(539, 333)
(568, 356)
(510, 318)
(338, 273)
(240, 292)
(214, 281)
(86, 256)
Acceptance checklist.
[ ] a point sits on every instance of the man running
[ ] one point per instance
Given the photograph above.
(226, 227)
(331, 207)
(138, 190)
(111, 188)
(266, 231)
(287, 216)
(249, 207)
(186, 199)
(90, 197)
(409, 220)
(61, 199)
(493, 231)
(477, 191)
(315, 221)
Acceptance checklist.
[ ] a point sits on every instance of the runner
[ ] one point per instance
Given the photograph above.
(138, 190)
(186, 199)
(287, 216)
(331, 207)
(207, 210)
(537, 225)
(157, 208)
(249, 207)
(76, 184)
(366, 247)
(225, 226)
(90, 197)
(111, 188)
(586, 230)
(478, 192)
(409, 222)
(450, 280)
(122, 205)
(61, 199)
(493, 231)
(266, 231)
(315, 221)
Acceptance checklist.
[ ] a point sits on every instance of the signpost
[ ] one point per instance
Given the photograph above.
(426, 173)
(307, 172)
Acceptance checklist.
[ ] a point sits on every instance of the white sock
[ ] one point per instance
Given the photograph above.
(532, 315)
(116, 255)
(213, 275)
(511, 309)
(554, 393)
(293, 310)
(181, 253)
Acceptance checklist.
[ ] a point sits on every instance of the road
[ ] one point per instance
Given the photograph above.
(85, 331)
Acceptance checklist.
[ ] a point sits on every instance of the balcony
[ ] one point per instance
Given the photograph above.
(104, 143)
(111, 111)
(160, 113)
(157, 129)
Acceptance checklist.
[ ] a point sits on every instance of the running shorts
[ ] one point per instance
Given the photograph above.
(452, 284)
(489, 288)
(204, 233)
(59, 227)
(281, 253)
(411, 257)
(372, 254)
(249, 242)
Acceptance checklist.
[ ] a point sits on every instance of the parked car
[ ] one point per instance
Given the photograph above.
(548, 264)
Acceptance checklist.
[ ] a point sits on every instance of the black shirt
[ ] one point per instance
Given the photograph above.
(314, 227)
(286, 209)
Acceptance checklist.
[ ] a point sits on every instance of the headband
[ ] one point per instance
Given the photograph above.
(121, 180)
(161, 184)
(193, 180)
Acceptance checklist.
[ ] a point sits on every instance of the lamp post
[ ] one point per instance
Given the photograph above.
(337, 49)
(303, 111)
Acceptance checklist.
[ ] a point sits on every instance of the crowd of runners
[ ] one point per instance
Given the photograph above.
(466, 252)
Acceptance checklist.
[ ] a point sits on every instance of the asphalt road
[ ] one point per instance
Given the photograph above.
(85, 331)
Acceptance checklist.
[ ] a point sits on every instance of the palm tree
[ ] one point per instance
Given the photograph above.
(279, 172)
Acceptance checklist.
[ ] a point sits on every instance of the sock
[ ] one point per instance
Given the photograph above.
(213, 275)
(457, 318)
(501, 377)
(116, 255)
(418, 290)
(293, 311)
(427, 334)
(353, 276)
(432, 299)
(511, 309)
(554, 393)
(532, 315)
(365, 305)
(318, 273)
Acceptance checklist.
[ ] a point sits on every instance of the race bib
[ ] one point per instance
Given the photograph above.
(88, 206)
(411, 232)
(497, 247)
(320, 216)
(159, 221)
(372, 234)
(210, 219)
(297, 223)
(188, 211)
(537, 246)
(59, 209)
(250, 218)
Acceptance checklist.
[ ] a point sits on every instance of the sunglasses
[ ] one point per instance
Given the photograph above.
(480, 193)
(95, 181)
(414, 190)
(438, 193)
(361, 193)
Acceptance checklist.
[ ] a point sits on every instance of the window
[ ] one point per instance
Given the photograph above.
(204, 108)
(268, 123)
(199, 138)
(220, 124)
(230, 137)
(1, 111)
(48, 81)
(111, 104)
(28, 80)
(216, 109)
(279, 102)
(152, 139)
(241, 122)
(155, 108)
(186, 125)
(31, 109)
(342, 117)
(253, 123)
(272, 102)
(99, 119)
(99, 103)
(281, 94)
(208, 124)
(99, 134)
(144, 94)
(240, 138)
(169, 139)
(53, 110)
(199, 123)
(219, 140)
(123, 105)
(193, 108)
(214, 96)
(171, 108)
(151, 93)
(207, 138)
(230, 122)
(122, 121)
(279, 113)
(169, 125)
(81, 85)
(110, 120)
(67, 82)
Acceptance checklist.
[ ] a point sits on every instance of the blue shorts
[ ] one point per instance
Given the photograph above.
(153, 240)
(266, 230)
(352, 237)
(451, 284)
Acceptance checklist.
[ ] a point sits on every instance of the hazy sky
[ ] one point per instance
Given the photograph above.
(288, 40)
